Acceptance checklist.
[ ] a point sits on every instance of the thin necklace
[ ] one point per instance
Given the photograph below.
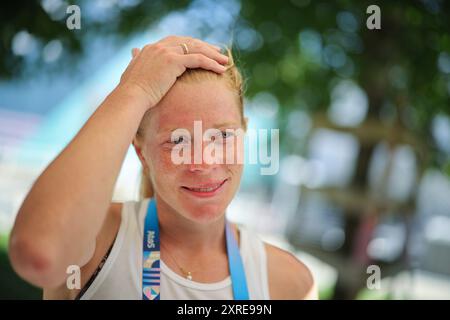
(187, 274)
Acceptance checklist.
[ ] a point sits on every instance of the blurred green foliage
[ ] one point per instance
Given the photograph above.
(297, 50)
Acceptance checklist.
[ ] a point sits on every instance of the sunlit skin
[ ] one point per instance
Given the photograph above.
(213, 103)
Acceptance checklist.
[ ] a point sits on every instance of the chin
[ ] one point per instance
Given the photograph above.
(205, 213)
(206, 207)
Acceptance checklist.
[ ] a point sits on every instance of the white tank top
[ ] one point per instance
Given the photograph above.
(120, 277)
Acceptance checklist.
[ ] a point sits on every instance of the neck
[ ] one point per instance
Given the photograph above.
(175, 229)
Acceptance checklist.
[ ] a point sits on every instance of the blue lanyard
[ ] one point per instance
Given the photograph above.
(151, 267)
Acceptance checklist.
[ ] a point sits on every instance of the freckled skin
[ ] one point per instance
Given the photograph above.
(211, 102)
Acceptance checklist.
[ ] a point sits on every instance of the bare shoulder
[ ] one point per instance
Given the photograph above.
(103, 242)
(289, 278)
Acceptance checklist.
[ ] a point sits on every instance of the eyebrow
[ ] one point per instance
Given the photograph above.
(219, 125)
(225, 124)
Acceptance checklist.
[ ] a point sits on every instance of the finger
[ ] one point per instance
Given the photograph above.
(205, 50)
(200, 49)
(197, 60)
(217, 48)
(135, 52)
(177, 40)
(193, 42)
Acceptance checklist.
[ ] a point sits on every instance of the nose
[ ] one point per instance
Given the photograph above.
(203, 163)
(203, 167)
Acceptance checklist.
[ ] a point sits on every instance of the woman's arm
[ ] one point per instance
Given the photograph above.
(62, 214)
(289, 278)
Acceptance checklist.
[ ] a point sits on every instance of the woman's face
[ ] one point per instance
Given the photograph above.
(200, 192)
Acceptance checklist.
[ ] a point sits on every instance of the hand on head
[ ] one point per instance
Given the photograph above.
(154, 69)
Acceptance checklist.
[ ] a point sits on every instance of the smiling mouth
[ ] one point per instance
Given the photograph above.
(207, 189)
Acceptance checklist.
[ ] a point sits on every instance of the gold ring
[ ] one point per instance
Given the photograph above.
(185, 48)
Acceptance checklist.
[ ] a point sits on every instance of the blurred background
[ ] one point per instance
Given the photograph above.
(364, 119)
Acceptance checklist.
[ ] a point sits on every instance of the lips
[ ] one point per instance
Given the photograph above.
(205, 190)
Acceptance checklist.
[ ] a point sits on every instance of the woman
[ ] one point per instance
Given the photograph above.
(68, 219)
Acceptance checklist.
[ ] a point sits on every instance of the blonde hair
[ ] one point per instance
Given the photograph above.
(234, 80)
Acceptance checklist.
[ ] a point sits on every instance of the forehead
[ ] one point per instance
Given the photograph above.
(209, 101)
